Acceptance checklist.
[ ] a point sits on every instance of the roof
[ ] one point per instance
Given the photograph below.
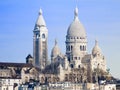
(29, 56)
(55, 50)
(10, 77)
(40, 21)
(10, 64)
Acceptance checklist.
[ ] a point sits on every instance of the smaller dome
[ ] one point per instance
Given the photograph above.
(96, 49)
(55, 50)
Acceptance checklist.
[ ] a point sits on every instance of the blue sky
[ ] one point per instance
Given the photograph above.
(101, 19)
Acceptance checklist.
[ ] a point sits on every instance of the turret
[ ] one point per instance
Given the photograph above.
(96, 49)
(55, 51)
(29, 59)
(98, 58)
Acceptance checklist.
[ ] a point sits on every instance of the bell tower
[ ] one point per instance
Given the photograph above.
(40, 36)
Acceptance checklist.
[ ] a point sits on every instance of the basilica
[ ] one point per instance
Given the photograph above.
(75, 66)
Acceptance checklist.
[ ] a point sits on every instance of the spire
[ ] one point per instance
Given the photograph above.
(96, 42)
(55, 41)
(40, 21)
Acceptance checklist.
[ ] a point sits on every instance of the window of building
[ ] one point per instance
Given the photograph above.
(71, 48)
(37, 35)
(68, 48)
(81, 48)
(43, 35)
(85, 48)
(69, 59)
(75, 58)
(68, 37)
(72, 66)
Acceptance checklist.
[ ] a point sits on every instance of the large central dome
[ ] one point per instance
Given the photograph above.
(76, 29)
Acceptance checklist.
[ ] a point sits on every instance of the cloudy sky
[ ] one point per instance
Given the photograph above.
(101, 19)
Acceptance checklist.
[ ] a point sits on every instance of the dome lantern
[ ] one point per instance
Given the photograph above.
(76, 13)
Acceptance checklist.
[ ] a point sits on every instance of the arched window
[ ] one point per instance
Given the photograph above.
(43, 35)
(80, 48)
(72, 66)
(69, 59)
(71, 48)
(75, 58)
(68, 48)
(83, 48)
(37, 35)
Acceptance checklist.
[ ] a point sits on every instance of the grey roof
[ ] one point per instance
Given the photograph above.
(40, 21)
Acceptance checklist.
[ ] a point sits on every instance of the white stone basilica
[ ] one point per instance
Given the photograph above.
(76, 61)
(76, 68)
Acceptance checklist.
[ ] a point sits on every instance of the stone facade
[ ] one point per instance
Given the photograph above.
(76, 65)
